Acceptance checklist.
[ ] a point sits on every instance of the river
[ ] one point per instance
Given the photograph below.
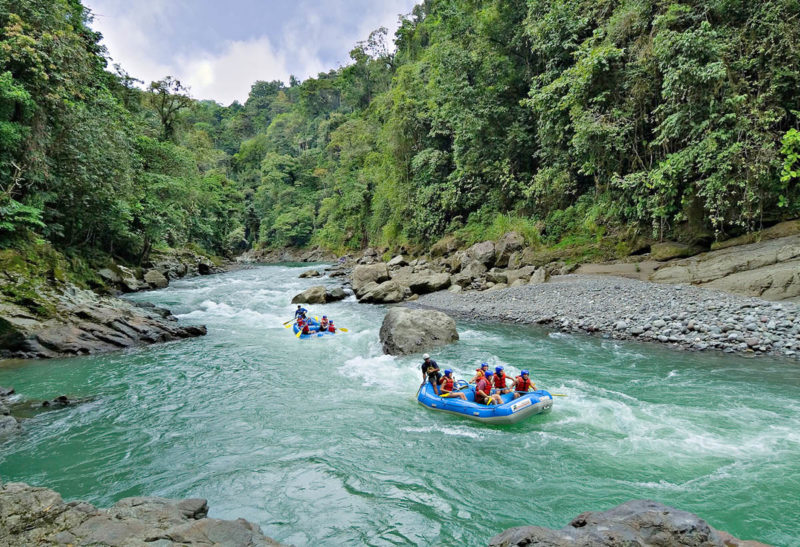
(321, 441)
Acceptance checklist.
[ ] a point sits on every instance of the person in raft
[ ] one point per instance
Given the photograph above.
(300, 312)
(523, 384)
(447, 385)
(324, 324)
(302, 326)
(483, 391)
(480, 373)
(500, 381)
(430, 372)
(331, 328)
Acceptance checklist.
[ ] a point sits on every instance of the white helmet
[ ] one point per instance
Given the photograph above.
(426, 356)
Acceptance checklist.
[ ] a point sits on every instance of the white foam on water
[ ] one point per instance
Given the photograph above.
(380, 371)
(455, 431)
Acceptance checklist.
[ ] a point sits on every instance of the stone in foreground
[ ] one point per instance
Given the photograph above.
(38, 516)
(638, 522)
(407, 331)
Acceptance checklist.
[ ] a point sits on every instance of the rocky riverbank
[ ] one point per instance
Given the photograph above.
(680, 316)
(637, 522)
(38, 516)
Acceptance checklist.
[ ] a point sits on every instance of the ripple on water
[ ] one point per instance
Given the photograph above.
(322, 440)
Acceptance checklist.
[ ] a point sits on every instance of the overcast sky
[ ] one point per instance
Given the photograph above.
(219, 49)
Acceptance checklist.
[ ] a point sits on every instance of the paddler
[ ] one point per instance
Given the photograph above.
(447, 385)
(323, 324)
(300, 312)
(500, 381)
(483, 391)
(480, 373)
(430, 372)
(523, 384)
(302, 326)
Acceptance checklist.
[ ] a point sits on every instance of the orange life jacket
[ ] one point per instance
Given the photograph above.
(500, 380)
(447, 383)
(523, 384)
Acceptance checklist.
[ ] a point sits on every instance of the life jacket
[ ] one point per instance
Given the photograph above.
(523, 384)
(447, 383)
(500, 380)
(483, 385)
(331, 328)
(323, 325)
(305, 329)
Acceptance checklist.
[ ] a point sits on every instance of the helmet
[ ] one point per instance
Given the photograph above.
(324, 316)
(426, 356)
(498, 370)
(484, 365)
(448, 372)
(523, 372)
(488, 373)
(299, 306)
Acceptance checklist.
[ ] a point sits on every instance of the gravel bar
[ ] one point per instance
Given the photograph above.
(681, 316)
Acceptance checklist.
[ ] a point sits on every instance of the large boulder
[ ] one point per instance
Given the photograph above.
(388, 292)
(155, 279)
(638, 522)
(397, 262)
(523, 274)
(508, 244)
(364, 275)
(313, 295)
(482, 253)
(39, 516)
(407, 331)
(541, 275)
(424, 284)
(309, 273)
(671, 249)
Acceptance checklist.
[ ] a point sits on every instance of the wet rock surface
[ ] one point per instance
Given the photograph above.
(81, 323)
(38, 516)
(319, 295)
(681, 316)
(407, 331)
(635, 523)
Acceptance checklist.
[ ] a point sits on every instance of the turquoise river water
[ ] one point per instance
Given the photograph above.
(322, 442)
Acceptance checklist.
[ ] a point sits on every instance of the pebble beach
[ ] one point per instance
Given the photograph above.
(681, 316)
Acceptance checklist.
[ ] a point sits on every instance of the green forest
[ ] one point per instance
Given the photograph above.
(569, 121)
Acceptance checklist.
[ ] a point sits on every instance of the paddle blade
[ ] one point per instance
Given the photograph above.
(299, 333)
(286, 326)
(558, 394)
(343, 329)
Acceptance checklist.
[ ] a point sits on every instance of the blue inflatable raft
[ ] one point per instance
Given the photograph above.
(311, 325)
(510, 412)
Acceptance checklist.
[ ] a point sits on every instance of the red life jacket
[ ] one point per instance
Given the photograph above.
(305, 330)
(331, 329)
(447, 383)
(324, 325)
(500, 380)
(523, 384)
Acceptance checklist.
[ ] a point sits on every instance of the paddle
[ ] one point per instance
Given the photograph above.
(286, 324)
(553, 394)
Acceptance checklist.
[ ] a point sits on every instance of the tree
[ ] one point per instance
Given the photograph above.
(168, 97)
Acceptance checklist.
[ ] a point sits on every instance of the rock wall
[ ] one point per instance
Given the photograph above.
(38, 516)
(767, 269)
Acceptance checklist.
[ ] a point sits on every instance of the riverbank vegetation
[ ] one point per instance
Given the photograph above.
(567, 121)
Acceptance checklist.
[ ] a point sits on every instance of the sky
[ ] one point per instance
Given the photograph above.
(219, 49)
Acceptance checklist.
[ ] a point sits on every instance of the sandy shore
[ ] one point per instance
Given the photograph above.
(682, 316)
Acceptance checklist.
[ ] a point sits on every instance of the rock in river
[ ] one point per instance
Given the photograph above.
(364, 275)
(407, 331)
(38, 516)
(638, 522)
(318, 294)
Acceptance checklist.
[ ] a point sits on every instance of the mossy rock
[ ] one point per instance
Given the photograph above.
(668, 250)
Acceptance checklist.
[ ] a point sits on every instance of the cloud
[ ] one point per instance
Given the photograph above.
(228, 75)
(220, 51)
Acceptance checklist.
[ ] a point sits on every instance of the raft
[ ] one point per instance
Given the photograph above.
(510, 412)
(311, 323)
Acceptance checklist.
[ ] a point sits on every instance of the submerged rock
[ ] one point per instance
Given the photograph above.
(407, 331)
(36, 516)
(638, 522)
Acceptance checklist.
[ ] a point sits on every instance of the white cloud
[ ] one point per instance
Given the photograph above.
(141, 36)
